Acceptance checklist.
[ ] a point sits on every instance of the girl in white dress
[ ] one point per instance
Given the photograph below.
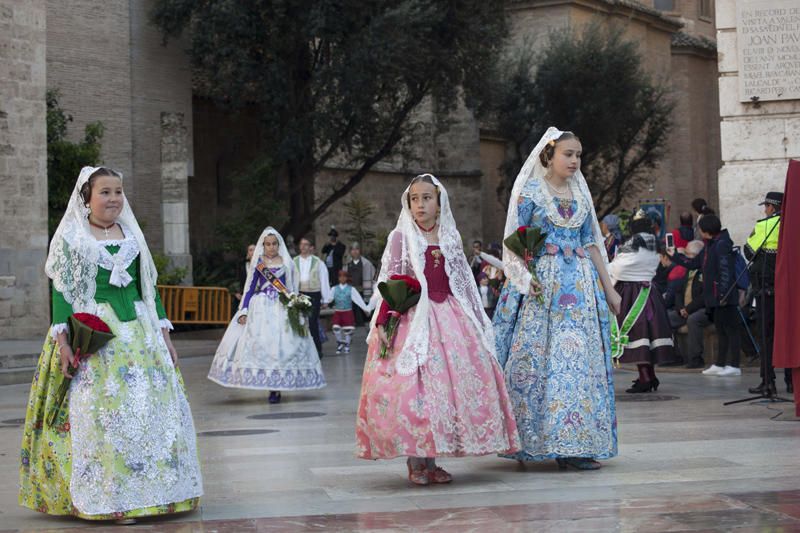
(260, 350)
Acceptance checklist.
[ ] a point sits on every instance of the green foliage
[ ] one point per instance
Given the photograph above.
(359, 211)
(336, 82)
(258, 205)
(595, 85)
(216, 268)
(65, 159)
(167, 275)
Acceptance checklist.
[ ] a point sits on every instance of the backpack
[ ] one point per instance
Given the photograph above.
(740, 269)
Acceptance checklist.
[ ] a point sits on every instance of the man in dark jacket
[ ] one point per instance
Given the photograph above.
(690, 309)
(333, 253)
(718, 264)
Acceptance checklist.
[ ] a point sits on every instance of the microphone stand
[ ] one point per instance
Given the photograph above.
(769, 393)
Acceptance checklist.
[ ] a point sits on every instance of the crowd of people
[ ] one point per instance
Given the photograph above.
(501, 352)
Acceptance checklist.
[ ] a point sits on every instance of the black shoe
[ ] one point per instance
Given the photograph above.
(758, 390)
(789, 387)
(655, 383)
(642, 387)
(697, 363)
(274, 397)
(771, 390)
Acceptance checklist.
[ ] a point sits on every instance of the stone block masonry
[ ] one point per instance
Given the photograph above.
(24, 310)
(758, 137)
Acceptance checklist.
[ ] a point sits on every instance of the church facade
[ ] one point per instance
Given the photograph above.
(177, 150)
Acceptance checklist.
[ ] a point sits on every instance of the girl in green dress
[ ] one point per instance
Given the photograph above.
(124, 444)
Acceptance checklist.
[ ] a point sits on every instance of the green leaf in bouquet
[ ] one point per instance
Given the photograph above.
(515, 243)
(397, 295)
(411, 300)
(535, 240)
(86, 339)
(393, 291)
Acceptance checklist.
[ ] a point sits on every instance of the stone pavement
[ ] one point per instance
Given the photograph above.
(18, 358)
(686, 463)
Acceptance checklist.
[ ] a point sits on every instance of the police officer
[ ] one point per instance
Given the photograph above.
(763, 246)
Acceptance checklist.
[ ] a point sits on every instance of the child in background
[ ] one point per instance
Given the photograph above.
(344, 320)
(487, 293)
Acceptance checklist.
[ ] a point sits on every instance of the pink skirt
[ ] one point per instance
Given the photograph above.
(455, 405)
(344, 319)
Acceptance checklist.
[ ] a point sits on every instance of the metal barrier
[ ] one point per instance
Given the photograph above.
(196, 305)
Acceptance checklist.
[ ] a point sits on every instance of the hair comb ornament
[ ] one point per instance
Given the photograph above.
(639, 215)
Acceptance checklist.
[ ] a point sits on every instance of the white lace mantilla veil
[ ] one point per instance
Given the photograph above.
(74, 256)
(292, 279)
(514, 266)
(413, 245)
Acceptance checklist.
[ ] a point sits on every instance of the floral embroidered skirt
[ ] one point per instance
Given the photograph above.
(125, 445)
(557, 360)
(265, 354)
(454, 405)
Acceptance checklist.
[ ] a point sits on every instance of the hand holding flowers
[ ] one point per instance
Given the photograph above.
(526, 243)
(88, 334)
(400, 293)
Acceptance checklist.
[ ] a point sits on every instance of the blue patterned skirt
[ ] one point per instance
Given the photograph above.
(556, 356)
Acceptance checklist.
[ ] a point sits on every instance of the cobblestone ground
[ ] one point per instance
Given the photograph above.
(686, 463)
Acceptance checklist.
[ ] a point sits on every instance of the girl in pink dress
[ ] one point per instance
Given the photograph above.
(441, 392)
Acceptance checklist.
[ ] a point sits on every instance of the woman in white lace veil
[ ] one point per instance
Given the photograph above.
(75, 255)
(552, 331)
(440, 390)
(129, 393)
(259, 350)
(292, 280)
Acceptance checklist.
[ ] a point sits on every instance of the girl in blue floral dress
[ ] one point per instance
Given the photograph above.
(552, 329)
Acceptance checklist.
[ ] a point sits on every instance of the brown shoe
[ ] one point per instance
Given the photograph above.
(439, 475)
(418, 475)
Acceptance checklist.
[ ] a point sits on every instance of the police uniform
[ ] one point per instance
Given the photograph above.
(764, 239)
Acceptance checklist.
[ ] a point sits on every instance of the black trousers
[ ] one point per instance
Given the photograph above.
(766, 322)
(729, 335)
(313, 319)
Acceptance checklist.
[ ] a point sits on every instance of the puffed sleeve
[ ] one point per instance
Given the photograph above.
(249, 294)
(587, 233)
(396, 266)
(163, 321)
(61, 312)
(525, 209)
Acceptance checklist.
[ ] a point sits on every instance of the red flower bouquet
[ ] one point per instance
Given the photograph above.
(401, 293)
(526, 242)
(87, 333)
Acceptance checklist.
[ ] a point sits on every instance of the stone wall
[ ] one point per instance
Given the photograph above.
(758, 138)
(174, 191)
(24, 309)
(688, 65)
(109, 65)
(695, 141)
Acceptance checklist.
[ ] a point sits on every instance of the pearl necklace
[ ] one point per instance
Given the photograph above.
(553, 188)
